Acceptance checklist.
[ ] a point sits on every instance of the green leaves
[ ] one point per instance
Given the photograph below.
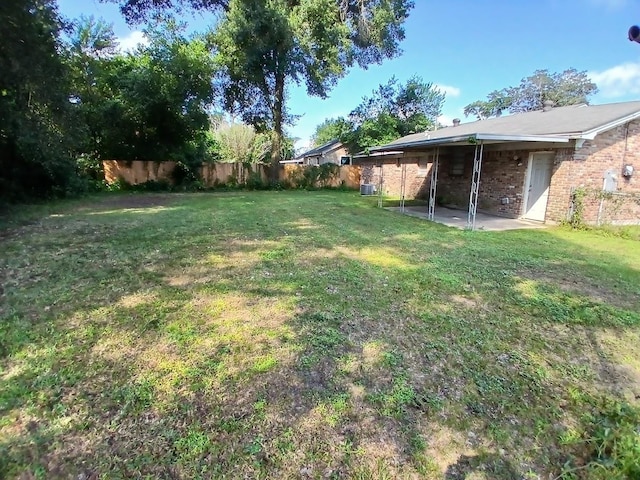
(392, 111)
(36, 119)
(150, 104)
(570, 87)
(263, 47)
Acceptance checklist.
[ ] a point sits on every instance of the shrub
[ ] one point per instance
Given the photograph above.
(254, 182)
(315, 176)
(184, 174)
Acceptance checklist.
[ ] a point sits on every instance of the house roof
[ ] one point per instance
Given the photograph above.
(327, 147)
(556, 125)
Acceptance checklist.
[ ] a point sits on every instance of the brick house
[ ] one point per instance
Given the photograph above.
(331, 152)
(527, 165)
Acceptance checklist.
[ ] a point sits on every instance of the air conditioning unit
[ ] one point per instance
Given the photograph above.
(367, 189)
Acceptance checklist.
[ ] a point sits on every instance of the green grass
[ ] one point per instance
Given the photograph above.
(310, 334)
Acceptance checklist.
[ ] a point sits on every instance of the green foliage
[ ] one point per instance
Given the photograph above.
(392, 111)
(610, 447)
(36, 119)
(254, 182)
(315, 176)
(331, 129)
(265, 46)
(415, 103)
(394, 401)
(148, 105)
(240, 143)
(576, 219)
(570, 87)
(137, 11)
(379, 130)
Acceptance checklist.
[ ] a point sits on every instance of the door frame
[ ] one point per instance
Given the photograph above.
(527, 180)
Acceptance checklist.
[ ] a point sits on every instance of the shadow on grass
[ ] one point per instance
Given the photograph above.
(262, 335)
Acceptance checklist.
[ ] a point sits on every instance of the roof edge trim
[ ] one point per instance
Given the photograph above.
(591, 134)
(474, 137)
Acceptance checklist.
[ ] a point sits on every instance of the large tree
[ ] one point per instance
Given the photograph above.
(570, 87)
(264, 46)
(149, 104)
(393, 110)
(35, 116)
(331, 129)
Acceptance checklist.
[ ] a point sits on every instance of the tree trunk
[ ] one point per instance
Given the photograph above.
(277, 136)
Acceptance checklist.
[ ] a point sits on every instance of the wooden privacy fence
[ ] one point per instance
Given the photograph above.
(213, 174)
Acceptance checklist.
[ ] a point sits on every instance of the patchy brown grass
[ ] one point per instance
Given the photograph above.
(255, 335)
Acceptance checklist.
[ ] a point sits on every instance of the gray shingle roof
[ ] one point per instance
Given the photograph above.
(319, 150)
(573, 121)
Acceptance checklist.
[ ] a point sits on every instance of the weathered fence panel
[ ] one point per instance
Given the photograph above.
(213, 174)
(231, 173)
(137, 171)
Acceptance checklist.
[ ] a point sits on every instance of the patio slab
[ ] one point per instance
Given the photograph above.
(458, 219)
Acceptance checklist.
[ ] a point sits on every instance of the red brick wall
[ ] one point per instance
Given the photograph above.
(586, 168)
(502, 177)
(417, 179)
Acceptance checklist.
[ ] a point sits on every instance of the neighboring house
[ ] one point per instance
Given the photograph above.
(331, 152)
(527, 165)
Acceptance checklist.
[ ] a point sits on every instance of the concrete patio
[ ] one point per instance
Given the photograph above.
(458, 219)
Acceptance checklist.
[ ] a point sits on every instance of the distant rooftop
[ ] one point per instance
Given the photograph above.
(320, 150)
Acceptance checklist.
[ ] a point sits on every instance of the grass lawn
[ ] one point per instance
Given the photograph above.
(309, 335)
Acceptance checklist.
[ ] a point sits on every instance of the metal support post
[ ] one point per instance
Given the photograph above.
(403, 189)
(434, 184)
(475, 185)
(380, 202)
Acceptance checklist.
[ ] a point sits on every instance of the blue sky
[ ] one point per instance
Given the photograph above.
(468, 48)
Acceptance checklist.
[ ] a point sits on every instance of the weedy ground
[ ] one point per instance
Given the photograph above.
(308, 335)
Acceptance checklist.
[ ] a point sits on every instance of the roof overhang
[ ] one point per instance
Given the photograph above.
(390, 153)
(591, 134)
(472, 139)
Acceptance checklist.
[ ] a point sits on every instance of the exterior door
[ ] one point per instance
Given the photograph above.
(538, 181)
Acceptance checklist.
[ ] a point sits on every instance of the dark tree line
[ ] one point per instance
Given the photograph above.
(69, 97)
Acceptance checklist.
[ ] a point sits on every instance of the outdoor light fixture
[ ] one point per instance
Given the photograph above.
(518, 160)
(627, 171)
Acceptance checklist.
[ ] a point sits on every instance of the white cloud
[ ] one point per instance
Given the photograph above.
(131, 41)
(618, 81)
(450, 90)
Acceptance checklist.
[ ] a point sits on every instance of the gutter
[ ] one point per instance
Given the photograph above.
(379, 154)
(472, 139)
(426, 142)
(523, 138)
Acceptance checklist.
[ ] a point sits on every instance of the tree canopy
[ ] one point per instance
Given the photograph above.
(150, 104)
(569, 87)
(263, 47)
(36, 120)
(393, 110)
(331, 129)
(70, 97)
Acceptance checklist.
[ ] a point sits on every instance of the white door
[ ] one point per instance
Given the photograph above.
(538, 181)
